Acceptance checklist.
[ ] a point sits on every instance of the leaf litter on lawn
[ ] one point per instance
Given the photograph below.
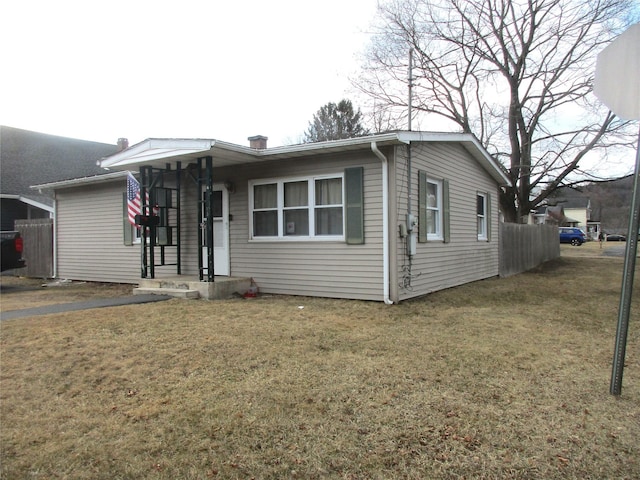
(502, 378)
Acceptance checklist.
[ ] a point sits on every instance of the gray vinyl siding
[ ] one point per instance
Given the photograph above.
(89, 235)
(315, 268)
(190, 223)
(438, 265)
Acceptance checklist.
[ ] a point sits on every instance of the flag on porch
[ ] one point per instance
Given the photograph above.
(133, 198)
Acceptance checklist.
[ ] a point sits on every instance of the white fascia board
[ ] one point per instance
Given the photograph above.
(33, 203)
(333, 144)
(29, 201)
(156, 149)
(470, 143)
(73, 182)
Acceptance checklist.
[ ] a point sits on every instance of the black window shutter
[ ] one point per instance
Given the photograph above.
(422, 206)
(127, 230)
(446, 225)
(487, 216)
(354, 205)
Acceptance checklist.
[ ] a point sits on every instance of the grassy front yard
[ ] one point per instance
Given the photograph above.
(504, 378)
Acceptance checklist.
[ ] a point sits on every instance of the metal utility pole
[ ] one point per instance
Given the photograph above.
(410, 104)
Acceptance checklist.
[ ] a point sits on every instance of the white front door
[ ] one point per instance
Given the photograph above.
(220, 232)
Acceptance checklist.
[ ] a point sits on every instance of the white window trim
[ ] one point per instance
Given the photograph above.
(438, 235)
(280, 181)
(482, 236)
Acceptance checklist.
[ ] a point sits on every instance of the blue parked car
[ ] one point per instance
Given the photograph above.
(572, 235)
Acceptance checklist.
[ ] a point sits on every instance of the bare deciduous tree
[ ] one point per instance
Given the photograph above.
(516, 73)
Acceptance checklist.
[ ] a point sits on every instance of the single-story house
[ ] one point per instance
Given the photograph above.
(385, 217)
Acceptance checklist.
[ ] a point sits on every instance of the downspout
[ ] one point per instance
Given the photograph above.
(55, 237)
(385, 222)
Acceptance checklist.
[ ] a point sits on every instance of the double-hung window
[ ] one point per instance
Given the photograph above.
(434, 209)
(328, 214)
(481, 213)
(265, 210)
(297, 208)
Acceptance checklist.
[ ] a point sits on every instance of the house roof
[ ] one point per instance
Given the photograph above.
(556, 212)
(573, 203)
(28, 158)
(569, 198)
(163, 151)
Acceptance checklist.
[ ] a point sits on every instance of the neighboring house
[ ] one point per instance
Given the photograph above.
(385, 217)
(28, 158)
(548, 215)
(577, 211)
(576, 207)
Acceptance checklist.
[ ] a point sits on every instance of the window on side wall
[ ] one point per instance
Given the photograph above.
(434, 209)
(482, 215)
(131, 233)
(307, 208)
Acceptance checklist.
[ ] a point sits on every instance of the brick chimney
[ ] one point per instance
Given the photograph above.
(258, 142)
(123, 144)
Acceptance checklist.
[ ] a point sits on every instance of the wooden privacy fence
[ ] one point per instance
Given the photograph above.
(37, 238)
(524, 247)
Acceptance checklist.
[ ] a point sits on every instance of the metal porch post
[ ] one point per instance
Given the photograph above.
(178, 215)
(209, 219)
(144, 267)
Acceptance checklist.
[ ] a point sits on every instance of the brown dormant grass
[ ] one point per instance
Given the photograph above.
(37, 292)
(504, 378)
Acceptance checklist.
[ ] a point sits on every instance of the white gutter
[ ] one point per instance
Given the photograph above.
(157, 148)
(81, 181)
(385, 222)
(28, 201)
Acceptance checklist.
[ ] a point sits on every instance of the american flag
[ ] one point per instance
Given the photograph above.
(133, 198)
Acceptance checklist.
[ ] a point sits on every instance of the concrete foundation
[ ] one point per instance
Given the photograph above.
(190, 287)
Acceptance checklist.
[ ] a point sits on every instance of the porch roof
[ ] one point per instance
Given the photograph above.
(160, 152)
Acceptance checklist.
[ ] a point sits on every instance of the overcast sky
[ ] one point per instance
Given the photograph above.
(183, 68)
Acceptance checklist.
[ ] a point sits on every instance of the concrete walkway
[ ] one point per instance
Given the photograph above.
(86, 305)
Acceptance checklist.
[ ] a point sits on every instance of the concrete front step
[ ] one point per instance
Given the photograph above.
(221, 287)
(172, 292)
